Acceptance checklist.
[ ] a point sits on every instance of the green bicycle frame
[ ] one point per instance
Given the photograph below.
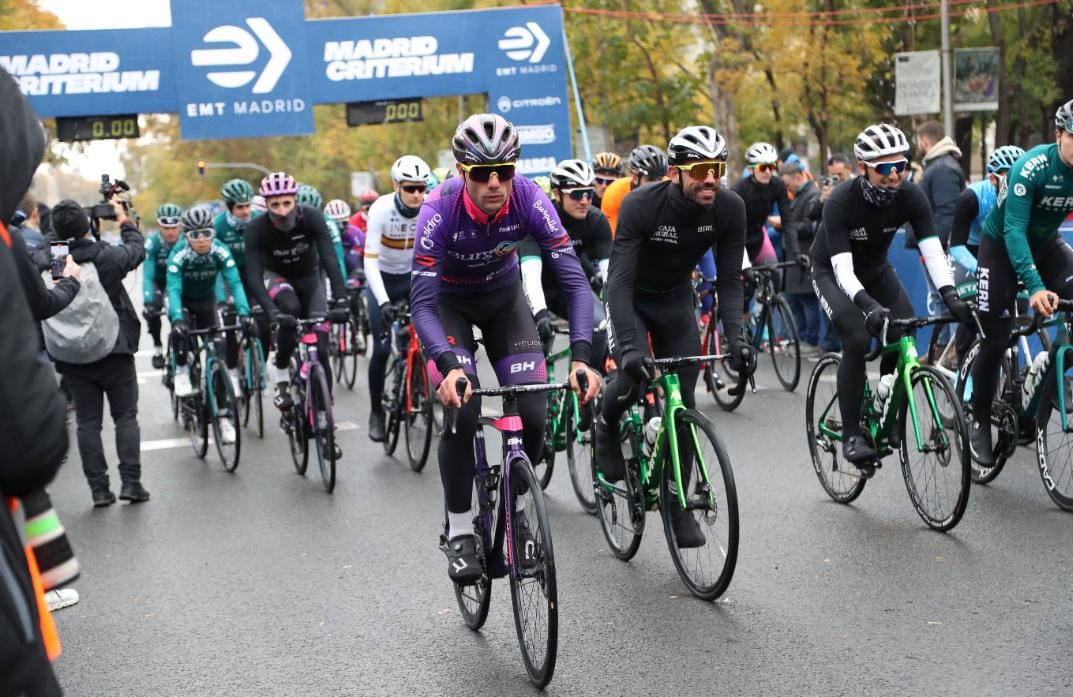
(559, 405)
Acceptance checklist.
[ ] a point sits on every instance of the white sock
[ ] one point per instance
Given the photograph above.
(459, 524)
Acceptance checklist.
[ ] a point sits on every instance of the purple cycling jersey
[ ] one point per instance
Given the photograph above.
(456, 254)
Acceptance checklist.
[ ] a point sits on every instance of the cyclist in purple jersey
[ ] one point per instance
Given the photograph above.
(465, 273)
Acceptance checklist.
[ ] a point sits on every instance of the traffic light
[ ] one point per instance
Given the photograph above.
(201, 168)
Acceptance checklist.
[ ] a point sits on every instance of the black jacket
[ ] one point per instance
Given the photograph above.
(943, 181)
(33, 429)
(44, 303)
(113, 264)
(798, 231)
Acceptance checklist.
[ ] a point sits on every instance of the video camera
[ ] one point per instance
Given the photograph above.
(104, 210)
(830, 180)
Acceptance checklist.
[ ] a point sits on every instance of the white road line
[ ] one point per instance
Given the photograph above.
(171, 443)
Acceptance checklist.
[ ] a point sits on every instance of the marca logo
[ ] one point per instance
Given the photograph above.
(525, 43)
(522, 367)
(244, 53)
(539, 134)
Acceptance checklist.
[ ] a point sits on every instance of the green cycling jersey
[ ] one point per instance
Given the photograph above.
(157, 252)
(232, 236)
(193, 275)
(1035, 198)
(337, 241)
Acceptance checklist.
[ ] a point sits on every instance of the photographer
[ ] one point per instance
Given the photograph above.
(113, 375)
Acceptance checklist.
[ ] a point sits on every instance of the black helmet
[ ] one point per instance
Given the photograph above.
(648, 160)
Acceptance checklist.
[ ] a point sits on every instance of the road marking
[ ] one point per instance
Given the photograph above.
(171, 443)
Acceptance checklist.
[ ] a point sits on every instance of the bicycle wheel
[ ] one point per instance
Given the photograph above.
(419, 416)
(197, 428)
(783, 345)
(712, 501)
(350, 358)
(533, 591)
(841, 480)
(223, 408)
(337, 343)
(169, 381)
(474, 600)
(936, 471)
(1054, 444)
(1003, 418)
(320, 402)
(295, 424)
(580, 456)
(546, 464)
(393, 405)
(620, 506)
(256, 387)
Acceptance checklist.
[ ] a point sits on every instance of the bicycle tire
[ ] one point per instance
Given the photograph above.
(337, 342)
(786, 345)
(418, 413)
(294, 421)
(257, 386)
(544, 467)
(1057, 479)
(223, 405)
(538, 638)
(580, 455)
(721, 376)
(953, 462)
(350, 359)
(320, 400)
(721, 549)
(622, 503)
(392, 412)
(1003, 441)
(841, 480)
(475, 599)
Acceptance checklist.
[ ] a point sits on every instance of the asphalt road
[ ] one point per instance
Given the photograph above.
(260, 583)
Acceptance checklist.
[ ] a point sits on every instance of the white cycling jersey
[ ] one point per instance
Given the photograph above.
(389, 244)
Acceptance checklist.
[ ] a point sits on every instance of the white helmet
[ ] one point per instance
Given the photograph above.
(696, 143)
(761, 154)
(572, 174)
(880, 140)
(409, 168)
(337, 209)
(257, 203)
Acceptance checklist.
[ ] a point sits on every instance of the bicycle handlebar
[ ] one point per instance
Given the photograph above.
(912, 323)
(214, 330)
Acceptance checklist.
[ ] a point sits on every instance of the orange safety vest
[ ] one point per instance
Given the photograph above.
(49, 635)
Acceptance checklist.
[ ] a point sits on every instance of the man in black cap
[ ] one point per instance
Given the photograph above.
(113, 375)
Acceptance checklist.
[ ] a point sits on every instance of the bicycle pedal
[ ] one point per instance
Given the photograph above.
(867, 469)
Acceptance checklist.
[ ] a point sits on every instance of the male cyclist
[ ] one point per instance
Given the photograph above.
(590, 235)
(1021, 243)
(230, 228)
(761, 191)
(192, 273)
(975, 203)
(292, 244)
(465, 273)
(857, 287)
(158, 247)
(647, 164)
(389, 253)
(608, 168)
(309, 196)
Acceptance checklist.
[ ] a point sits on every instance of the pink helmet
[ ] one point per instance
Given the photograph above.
(368, 196)
(278, 184)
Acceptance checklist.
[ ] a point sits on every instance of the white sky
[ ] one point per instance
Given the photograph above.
(103, 155)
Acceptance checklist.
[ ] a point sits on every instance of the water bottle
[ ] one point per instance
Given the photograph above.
(883, 392)
(651, 429)
(1034, 376)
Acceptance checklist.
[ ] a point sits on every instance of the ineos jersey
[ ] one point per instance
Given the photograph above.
(299, 252)
(590, 238)
(759, 201)
(852, 224)
(389, 236)
(661, 237)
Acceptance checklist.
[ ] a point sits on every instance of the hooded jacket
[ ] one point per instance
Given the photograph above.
(943, 181)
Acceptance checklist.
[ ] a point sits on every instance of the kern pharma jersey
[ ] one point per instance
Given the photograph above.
(1035, 198)
(461, 251)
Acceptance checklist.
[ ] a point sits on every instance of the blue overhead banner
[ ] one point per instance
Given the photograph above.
(253, 68)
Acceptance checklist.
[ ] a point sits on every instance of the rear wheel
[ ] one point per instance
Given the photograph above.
(1054, 444)
(1003, 417)
(320, 402)
(783, 345)
(580, 455)
(223, 410)
(533, 590)
(823, 426)
(719, 375)
(544, 467)
(621, 506)
(392, 407)
(355, 346)
(936, 472)
(419, 416)
(711, 500)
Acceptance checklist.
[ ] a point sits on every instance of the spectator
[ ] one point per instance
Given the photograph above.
(839, 165)
(114, 374)
(27, 219)
(33, 427)
(798, 231)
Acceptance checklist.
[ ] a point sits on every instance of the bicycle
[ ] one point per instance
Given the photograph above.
(939, 491)
(1042, 406)
(347, 340)
(251, 370)
(508, 545)
(311, 417)
(669, 471)
(197, 412)
(568, 427)
(408, 397)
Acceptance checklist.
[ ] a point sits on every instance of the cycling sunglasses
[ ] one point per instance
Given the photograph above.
(701, 170)
(581, 193)
(604, 181)
(885, 169)
(203, 233)
(766, 167)
(414, 188)
(481, 174)
(170, 221)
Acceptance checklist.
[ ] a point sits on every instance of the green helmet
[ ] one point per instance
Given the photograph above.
(168, 214)
(237, 191)
(310, 196)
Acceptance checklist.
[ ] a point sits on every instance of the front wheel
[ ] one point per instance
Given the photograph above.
(621, 506)
(294, 423)
(823, 425)
(783, 345)
(320, 402)
(533, 590)
(1054, 441)
(934, 450)
(580, 454)
(418, 416)
(711, 502)
(223, 411)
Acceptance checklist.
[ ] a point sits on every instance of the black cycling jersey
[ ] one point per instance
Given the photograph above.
(760, 199)
(852, 224)
(590, 238)
(669, 233)
(966, 208)
(300, 252)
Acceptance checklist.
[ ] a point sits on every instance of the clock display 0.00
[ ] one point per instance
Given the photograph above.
(97, 127)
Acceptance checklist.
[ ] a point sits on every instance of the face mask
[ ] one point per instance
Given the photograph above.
(404, 210)
(285, 223)
(880, 196)
(237, 224)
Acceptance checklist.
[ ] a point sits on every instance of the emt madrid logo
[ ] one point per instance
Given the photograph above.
(243, 52)
(525, 43)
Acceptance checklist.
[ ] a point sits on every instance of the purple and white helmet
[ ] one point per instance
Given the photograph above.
(485, 139)
(279, 184)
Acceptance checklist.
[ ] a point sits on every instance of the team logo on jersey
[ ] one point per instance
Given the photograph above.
(1019, 189)
(859, 233)
(504, 248)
